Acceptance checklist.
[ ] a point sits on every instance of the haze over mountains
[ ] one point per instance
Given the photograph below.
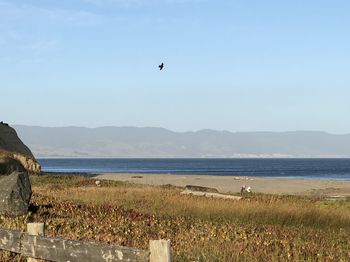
(152, 142)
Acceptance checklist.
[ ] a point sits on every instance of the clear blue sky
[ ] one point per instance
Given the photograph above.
(238, 65)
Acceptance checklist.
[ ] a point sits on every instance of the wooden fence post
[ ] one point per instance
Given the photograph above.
(35, 229)
(160, 251)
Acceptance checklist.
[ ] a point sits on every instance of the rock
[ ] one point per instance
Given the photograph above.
(10, 141)
(15, 193)
(9, 165)
(201, 189)
(208, 194)
(30, 164)
(11, 146)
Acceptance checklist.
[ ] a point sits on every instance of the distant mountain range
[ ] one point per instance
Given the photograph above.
(152, 142)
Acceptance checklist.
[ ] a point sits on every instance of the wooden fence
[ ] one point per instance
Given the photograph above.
(35, 245)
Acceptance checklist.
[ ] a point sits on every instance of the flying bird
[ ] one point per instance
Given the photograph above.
(161, 66)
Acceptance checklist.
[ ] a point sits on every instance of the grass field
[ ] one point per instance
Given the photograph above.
(256, 228)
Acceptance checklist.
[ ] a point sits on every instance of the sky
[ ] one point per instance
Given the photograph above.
(236, 65)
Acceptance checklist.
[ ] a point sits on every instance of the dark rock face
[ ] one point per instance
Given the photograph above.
(9, 165)
(15, 193)
(10, 141)
(12, 146)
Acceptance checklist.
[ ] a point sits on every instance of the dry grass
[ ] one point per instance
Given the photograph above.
(257, 228)
(257, 209)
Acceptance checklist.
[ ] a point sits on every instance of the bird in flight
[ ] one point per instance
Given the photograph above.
(161, 66)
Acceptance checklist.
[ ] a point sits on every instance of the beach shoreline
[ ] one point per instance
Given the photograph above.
(233, 184)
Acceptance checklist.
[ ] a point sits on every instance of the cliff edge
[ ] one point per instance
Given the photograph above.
(12, 146)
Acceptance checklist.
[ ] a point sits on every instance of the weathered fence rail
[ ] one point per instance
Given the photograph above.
(36, 246)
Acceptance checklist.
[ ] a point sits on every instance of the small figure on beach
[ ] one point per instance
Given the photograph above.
(242, 189)
(246, 189)
(161, 66)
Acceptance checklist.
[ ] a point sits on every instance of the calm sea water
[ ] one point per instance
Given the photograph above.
(290, 168)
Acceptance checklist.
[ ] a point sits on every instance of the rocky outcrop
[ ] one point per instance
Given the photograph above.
(30, 164)
(12, 147)
(15, 193)
(9, 165)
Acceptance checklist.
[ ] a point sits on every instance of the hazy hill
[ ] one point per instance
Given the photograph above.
(159, 142)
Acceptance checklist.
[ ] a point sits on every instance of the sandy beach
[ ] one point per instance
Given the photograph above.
(232, 184)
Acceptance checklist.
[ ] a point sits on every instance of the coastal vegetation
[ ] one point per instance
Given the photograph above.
(257, 228)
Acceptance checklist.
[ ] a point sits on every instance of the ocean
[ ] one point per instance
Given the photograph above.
(284, 168)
